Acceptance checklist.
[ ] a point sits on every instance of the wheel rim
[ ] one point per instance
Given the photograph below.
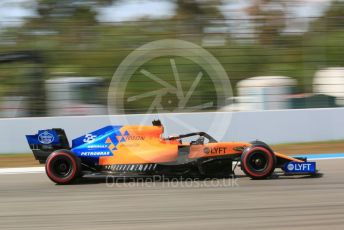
(258, 161)
(62, 167)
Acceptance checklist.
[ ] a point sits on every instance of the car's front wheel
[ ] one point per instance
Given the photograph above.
(62, 167)
(258, 162)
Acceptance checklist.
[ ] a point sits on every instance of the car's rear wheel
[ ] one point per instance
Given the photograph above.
(258, 162)
(62, 167)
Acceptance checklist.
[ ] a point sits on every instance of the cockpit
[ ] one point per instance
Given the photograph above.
(200, 138)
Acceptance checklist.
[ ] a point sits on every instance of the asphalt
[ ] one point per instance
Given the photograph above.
(32, 201)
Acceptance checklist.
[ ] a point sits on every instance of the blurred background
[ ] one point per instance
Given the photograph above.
(57, 58)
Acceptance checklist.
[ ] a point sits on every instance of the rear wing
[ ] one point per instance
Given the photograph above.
(47, 141)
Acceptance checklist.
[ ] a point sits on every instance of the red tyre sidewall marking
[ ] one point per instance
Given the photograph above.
(51, 174)
(268, 168)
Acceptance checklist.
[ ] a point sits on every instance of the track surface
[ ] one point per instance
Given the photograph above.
(31, 201)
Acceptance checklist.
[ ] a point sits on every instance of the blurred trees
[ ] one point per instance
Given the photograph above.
(195, 15)
(322, 43)
(74, 41)
(269, 18)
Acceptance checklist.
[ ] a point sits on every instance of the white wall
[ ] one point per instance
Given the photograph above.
(273, 127)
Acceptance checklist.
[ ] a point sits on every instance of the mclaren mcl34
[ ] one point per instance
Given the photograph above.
(140, 151)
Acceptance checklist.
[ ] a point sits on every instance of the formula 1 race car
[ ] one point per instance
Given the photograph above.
(142, 151)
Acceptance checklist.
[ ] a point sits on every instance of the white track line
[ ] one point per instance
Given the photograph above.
(329, 158)
(26, 170)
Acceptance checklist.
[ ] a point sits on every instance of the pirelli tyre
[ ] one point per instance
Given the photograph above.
(62, 167)
(258, 162)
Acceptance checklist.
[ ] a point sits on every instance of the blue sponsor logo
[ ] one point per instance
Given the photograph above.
(300, 167)
(46, 138)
